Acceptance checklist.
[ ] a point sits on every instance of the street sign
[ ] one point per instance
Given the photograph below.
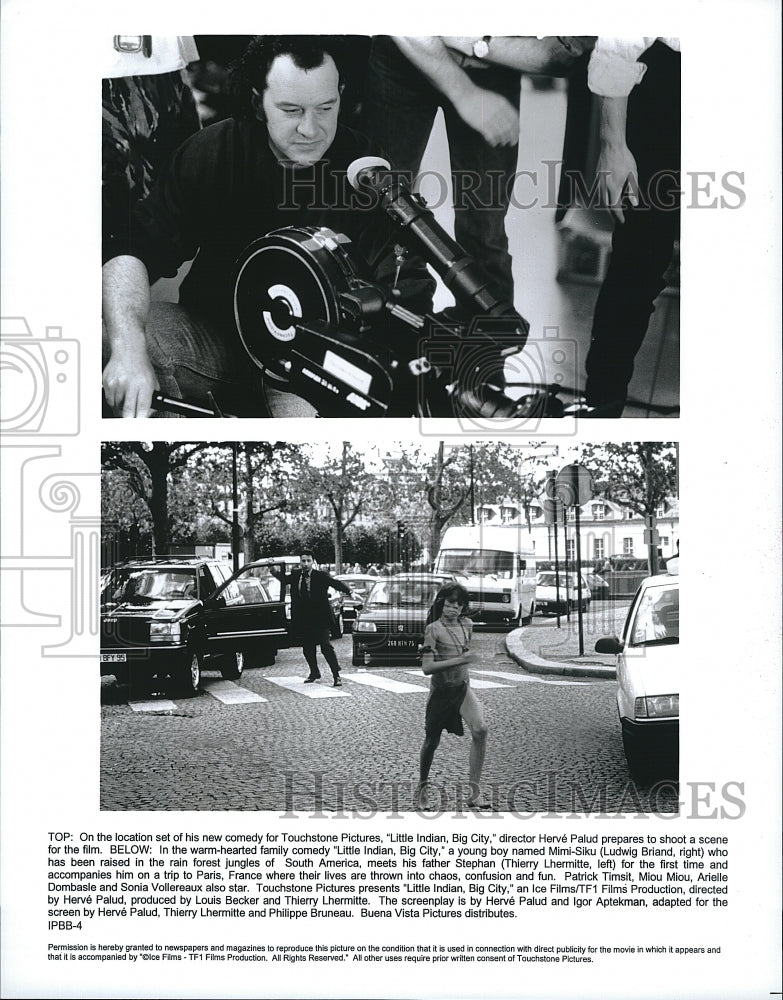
(554, 511)
(651, 536)
(650, 520)
(574, 485)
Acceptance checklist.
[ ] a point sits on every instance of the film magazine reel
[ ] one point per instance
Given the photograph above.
(304, 316)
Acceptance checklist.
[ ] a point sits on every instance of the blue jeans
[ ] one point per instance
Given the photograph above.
(398, 112)
(194, 358)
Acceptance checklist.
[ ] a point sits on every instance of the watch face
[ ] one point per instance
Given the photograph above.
(480, 48)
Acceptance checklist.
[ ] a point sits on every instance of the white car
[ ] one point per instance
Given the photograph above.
(648, 680)
(556, 595)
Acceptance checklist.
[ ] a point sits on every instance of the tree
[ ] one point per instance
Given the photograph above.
(445, 494)
(340, 487)
(148, 467)
(265, 485)
(639, 475)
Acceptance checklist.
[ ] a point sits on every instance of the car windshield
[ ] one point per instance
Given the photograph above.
(149, 584)
(548, 580)
(357, 584)
(401, 593)
(657, 618)
(477, 562)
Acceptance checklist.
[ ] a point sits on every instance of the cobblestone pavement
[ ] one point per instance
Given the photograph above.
(554, 743)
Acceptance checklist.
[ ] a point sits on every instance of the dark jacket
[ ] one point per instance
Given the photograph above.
(223, 189)
(316, 613)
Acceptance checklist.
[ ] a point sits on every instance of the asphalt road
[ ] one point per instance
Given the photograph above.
(271, 742)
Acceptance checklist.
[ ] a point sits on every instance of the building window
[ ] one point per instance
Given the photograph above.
(628, 546)
(664, 541)
(571, 549)
(660, 510)
(571, 514)
(628, 514)
(598, 548)
(599, 511)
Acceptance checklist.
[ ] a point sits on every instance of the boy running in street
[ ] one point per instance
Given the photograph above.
(445, 659)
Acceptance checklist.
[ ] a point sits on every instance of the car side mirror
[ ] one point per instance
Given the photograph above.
(217, 602)
(609, 644)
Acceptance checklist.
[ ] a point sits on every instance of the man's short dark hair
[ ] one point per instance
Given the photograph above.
(307, 552)
(249, 73)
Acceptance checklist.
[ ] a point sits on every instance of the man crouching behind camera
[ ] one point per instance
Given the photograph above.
(280, 161)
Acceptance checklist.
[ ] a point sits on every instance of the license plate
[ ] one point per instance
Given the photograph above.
(113, 657)
(400, 643)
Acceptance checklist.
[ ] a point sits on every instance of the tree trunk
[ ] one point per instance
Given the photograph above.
(249, 528)
(158, 463)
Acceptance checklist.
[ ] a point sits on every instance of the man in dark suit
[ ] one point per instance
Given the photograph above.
(311, 615)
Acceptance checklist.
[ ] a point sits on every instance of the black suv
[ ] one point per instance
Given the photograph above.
(169, 617)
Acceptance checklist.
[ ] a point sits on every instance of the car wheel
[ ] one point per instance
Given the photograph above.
(359, 657)
(188, 677)
(232, 665)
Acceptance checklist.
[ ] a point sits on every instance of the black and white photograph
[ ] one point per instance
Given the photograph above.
(380, 226)
(264, 598)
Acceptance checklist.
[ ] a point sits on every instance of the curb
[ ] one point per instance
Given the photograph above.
(538, 665)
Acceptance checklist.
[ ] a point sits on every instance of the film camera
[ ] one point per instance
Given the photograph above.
(314, 325)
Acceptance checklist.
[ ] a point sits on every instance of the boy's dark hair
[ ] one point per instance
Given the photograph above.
(453, 591)
(248, 75)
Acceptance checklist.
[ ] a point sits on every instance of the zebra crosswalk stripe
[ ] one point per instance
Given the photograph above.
(230, 693)
(322, 689)
(384, 683)
(153, 705)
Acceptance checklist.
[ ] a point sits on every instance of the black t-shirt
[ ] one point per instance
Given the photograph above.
(224, 188)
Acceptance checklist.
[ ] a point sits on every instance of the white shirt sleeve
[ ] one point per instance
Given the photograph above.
(168, 53)
(614, 68)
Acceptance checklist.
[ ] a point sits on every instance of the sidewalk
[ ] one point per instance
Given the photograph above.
(549, 650)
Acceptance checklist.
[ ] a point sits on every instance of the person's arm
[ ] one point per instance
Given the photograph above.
(337, 584)
(490, 114)
(613, 72)
(431, 665)
(128, 378)
(618, 179)
(553, 55)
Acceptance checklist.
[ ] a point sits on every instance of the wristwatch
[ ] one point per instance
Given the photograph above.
(481, 47)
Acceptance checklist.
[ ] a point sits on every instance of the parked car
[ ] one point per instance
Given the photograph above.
(391, 624)
(172, 617)
(599, 588)
(360, 584)
(648, 684)
(557, 596)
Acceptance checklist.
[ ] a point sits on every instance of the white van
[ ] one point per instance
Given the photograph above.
(499, 564)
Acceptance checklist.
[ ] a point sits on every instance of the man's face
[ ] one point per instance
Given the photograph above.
(306, 562)
(300, 108)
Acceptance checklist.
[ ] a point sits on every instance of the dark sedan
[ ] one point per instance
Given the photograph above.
(390, 626)
(171, 617)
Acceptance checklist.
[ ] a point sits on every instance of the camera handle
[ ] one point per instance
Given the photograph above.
(168, 404)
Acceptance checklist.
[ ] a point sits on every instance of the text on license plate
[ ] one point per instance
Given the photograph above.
(401, 643)
(113, 657)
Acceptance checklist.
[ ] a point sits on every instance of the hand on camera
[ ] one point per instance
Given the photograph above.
(128, 384)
